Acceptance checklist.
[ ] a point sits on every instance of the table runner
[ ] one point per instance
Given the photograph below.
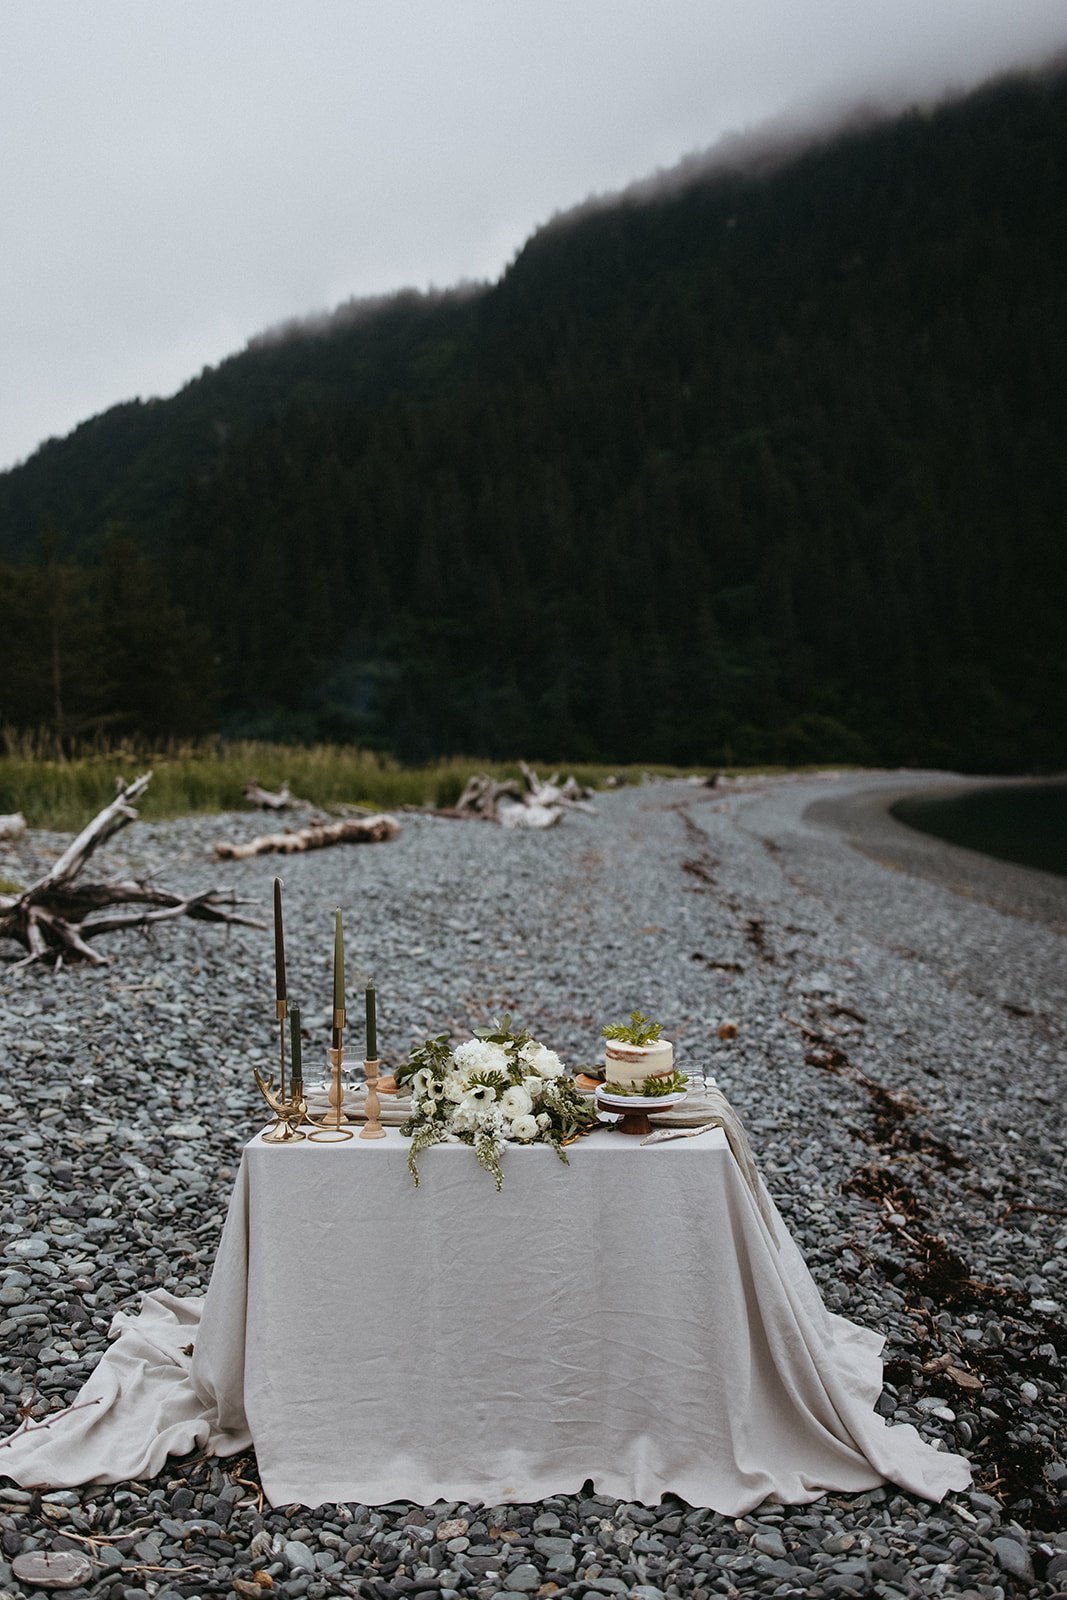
(628, 1321)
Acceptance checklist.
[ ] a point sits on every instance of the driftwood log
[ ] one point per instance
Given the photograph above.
(54, 918)
(534, 803)
(352, 830)
(269, 800)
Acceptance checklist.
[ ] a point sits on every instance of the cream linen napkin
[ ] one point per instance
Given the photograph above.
(395, 1109)
(712, 1109)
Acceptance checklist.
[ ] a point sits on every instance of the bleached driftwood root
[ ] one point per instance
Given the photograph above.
(540, 804)
(268, 800)
(482, 795)
(54, 917)
(527, 814)
(353, 830)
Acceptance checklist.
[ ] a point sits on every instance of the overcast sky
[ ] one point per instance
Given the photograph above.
(177, 175)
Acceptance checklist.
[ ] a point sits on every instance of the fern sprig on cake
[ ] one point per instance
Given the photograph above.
(640, 1030)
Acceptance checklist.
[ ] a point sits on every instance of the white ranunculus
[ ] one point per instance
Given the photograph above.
(543, 1120)
(533, 1086)
(524, 1128)
(477, 1055)
(516, 1102)
(546, 1064)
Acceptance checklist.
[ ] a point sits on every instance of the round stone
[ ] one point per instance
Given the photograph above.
(52, 1569)
(30, 1249)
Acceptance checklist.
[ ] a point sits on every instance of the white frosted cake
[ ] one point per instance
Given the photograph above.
(629, 1065)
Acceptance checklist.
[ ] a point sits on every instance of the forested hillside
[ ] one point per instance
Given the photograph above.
(769, 467)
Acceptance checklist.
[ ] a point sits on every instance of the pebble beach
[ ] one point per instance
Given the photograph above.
(888, 1013)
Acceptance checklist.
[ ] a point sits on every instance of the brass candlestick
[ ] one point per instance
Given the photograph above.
(372, 1128)
(330, 1128)
(289, 1109)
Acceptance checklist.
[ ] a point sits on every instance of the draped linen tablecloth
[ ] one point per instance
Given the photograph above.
(628, 1319)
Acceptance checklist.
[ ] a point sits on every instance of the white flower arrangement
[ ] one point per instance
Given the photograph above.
(497, 1089)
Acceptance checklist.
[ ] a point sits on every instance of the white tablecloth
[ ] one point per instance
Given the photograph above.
(627, 1320)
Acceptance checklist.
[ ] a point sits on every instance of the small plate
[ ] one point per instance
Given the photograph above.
(640, 1102)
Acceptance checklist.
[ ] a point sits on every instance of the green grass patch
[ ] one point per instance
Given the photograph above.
(64, 792)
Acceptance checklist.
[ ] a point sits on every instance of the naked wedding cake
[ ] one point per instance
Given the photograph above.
(629, 1065)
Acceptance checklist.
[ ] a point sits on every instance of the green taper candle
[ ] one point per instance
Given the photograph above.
(372, 1025)
(279, 944)
(338, 964)
(294, 1036)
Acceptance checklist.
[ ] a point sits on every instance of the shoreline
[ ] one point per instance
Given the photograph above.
(862, 816)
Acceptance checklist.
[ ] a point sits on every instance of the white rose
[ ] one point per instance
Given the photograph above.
(516, 1102)
(533, 1086)
(546, 1064)
(524, 1128)
(543, 1120)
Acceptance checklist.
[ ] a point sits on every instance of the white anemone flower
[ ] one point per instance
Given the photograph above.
(524, 1128)
(480, 1096)
(516, 1102)
(421, 1081)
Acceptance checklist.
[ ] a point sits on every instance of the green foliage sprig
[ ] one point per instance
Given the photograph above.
(652, 1088)
(639, 1030)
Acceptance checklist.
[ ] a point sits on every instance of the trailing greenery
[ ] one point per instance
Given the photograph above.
(639, 1030)
(766, 468)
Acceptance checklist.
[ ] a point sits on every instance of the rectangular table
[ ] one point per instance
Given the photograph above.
(627, 1319)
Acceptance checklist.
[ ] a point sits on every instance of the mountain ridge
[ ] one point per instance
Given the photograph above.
(797, 430)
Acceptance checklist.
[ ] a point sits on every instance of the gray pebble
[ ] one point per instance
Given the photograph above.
(52, 1569)
(524, 1578)
(298, 1556)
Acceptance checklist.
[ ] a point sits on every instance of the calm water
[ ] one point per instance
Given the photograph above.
(1027, 824)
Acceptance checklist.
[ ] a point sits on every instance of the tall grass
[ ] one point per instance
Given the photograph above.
(59, 790)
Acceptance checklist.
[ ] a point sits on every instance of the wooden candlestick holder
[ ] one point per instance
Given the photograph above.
(330, 1128)
(372, 1128)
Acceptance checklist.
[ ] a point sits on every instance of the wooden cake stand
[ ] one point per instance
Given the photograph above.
(634, 1108)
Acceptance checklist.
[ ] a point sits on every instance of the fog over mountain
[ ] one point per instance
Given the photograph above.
(177, 178)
